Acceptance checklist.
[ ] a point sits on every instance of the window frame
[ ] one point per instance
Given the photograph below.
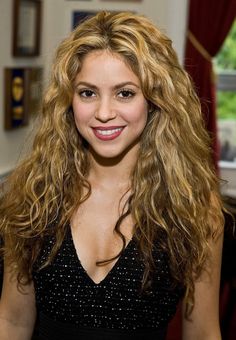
(226, 81)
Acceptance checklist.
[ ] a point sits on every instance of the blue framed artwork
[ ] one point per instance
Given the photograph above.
(16, 110)
(23, 90)
(80, 16)
(123, 0)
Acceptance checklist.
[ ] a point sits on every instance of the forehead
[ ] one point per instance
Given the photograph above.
(105, 69)
(105, 61)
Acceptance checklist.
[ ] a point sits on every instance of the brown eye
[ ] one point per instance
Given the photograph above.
(126, 94)
(86, 93)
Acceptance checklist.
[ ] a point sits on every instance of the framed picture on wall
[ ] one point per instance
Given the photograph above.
(16, 101)
(79, 16)
(123, 0)
(23, 90)
(26, 28)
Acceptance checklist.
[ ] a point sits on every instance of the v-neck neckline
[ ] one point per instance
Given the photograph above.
(110, 272)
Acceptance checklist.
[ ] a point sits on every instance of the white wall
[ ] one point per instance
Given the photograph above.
(58, 22)
(169, 15)
(10, 141)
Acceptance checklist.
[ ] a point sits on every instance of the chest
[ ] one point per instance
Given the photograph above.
(66, 292)
(94, 236)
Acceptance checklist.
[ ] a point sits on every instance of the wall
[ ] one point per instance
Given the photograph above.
(162, 12)
(10, 142)
(169, 15)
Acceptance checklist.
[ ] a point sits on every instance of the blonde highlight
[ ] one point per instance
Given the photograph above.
(172, 182)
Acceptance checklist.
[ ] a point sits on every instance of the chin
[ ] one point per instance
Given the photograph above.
(112, 156)
(109, 155)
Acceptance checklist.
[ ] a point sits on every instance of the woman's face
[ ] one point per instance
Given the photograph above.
(109, 108)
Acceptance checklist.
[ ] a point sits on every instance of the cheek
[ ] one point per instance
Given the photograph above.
(139, 114)
(80, 121)
(80, 113)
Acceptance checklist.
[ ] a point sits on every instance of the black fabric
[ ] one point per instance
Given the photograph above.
(53, 330)
(66, 294)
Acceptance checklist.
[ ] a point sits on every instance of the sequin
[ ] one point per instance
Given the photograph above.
(65, 293)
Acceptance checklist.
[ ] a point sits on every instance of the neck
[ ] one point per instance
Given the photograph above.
(115, 171)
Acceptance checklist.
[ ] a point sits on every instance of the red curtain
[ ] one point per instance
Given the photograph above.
(208, 25)
(209, 22)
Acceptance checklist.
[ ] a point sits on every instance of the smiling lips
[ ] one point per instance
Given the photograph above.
(108, 133)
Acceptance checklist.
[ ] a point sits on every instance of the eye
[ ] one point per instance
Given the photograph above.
(86, 93)
(126, 93)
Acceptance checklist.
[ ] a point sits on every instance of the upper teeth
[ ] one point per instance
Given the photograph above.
(108, 132)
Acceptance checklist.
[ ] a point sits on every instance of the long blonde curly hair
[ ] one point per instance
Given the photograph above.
(173, 181)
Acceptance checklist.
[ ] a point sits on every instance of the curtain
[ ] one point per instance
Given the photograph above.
(209, 22)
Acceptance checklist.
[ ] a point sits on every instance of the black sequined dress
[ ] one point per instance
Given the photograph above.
(71, 306)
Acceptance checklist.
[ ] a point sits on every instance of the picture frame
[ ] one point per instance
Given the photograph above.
(23, 93)
(123, 0)
(26, 28)
(80, 16)
(16, 101)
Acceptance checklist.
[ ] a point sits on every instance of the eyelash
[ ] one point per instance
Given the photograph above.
(83, 93)
(89, 93)
(127, 91)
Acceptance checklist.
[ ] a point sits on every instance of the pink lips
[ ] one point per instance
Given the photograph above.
(107, 133)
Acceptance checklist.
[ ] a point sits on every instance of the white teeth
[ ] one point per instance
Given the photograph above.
(108, 132)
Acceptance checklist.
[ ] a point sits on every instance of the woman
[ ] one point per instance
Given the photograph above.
(115, 216)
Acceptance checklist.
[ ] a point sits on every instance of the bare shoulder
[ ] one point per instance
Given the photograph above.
(17, 306)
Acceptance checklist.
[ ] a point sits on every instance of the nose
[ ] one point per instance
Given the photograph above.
(105, 110)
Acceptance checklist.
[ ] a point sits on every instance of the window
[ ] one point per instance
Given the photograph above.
(225, 66)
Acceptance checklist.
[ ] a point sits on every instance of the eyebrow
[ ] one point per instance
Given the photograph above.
(117, 86)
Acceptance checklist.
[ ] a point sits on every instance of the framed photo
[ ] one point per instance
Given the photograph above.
(123, 0)
(79, 16)
(23, 90)
(26, 28)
